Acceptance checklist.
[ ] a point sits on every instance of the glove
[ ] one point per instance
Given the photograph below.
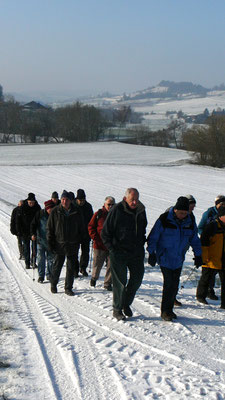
(198, 261)
(152, 259)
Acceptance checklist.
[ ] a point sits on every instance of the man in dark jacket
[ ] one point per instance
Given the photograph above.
(65, 230)
(87, 212)
(38, 233)
(23, 221)
(123, 234)
(101, 253)
(210, 215)
(168, 242)
(13, 228)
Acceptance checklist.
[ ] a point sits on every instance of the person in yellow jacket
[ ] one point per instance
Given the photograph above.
(213, 255)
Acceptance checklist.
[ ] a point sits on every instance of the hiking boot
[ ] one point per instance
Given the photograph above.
(92, 282)
(119, 315)
(84, 272)
(127, 311)
(109, 288)
(202, 300)
(222, 306)
(53, 288)
(69, 292)
(166, 316)
(40, 279)
(211, 295)
(174, 316)
(27, 266)
(177, 303)
(76, 275)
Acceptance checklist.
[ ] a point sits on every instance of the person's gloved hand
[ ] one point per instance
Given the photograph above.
(198, 261)
(152, 259)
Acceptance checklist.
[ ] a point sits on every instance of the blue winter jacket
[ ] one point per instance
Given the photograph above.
(170, 238)
(208, 216)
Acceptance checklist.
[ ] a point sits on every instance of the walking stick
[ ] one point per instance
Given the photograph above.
(33, 257)
(188, 278)
(90, 262)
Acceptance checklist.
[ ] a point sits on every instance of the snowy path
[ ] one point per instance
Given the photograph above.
(72, 348)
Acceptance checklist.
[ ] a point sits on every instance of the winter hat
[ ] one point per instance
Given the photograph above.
(49, 204)
(219, 199)
(81, 194)
(72, 195)
(191, 198)
(55, 195)
(66, 194)
(31, 196)
(221, 211)
(182, 204)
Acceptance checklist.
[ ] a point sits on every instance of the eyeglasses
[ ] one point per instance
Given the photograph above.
(110, 204)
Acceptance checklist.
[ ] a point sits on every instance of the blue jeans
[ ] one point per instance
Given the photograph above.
(44, 259)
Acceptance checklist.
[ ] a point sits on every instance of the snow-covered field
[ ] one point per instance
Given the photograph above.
(71, 348)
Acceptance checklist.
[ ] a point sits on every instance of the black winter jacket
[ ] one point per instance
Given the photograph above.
(13, 229)
(87, 213)
(124, 230)
(24, 217)
(65, 230)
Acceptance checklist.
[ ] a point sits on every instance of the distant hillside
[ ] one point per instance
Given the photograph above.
(168, 89)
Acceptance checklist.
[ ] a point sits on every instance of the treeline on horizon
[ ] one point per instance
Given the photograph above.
(85, 123)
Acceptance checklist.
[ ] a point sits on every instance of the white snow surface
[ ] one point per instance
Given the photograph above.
(61, 347)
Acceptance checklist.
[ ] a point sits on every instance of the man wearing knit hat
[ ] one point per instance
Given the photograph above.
(65, 230)
(55, 198)
(23, 220)
(168, 241)
(209, 215)
(213, 255)
(38, 232)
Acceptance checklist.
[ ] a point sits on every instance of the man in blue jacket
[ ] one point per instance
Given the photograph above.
(168, 242)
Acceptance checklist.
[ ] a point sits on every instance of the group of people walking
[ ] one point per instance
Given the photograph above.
(118, 232)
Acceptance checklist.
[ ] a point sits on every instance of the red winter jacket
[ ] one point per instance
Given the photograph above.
(95, 227)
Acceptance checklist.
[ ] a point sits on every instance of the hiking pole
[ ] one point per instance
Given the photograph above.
(90, 262)
(188, 278)
(33, 257)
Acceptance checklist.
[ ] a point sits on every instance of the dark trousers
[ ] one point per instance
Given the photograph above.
(171, 278)
(120, 264)
(84, 258)
(27, 243)
(204, 282)
(72, 261)
(20, 245)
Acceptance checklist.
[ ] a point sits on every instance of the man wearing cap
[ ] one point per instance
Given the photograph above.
(168, 241)
(23, 220)
(210, 215)
(55, 198)
(101, 253)
(65, 230)
(213, 255)
(87, 211)
(38, 232)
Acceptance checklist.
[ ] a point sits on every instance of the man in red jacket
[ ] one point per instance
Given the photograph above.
(101, 253)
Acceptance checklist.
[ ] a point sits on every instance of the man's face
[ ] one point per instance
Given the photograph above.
(55, 200)
(222, 219)
(31, 203)
(80, 202)
(181, 214)
(220, 205)
(132, 200)
(65, 202)
(108, 204)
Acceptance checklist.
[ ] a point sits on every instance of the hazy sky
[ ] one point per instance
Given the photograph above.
(89, 46)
